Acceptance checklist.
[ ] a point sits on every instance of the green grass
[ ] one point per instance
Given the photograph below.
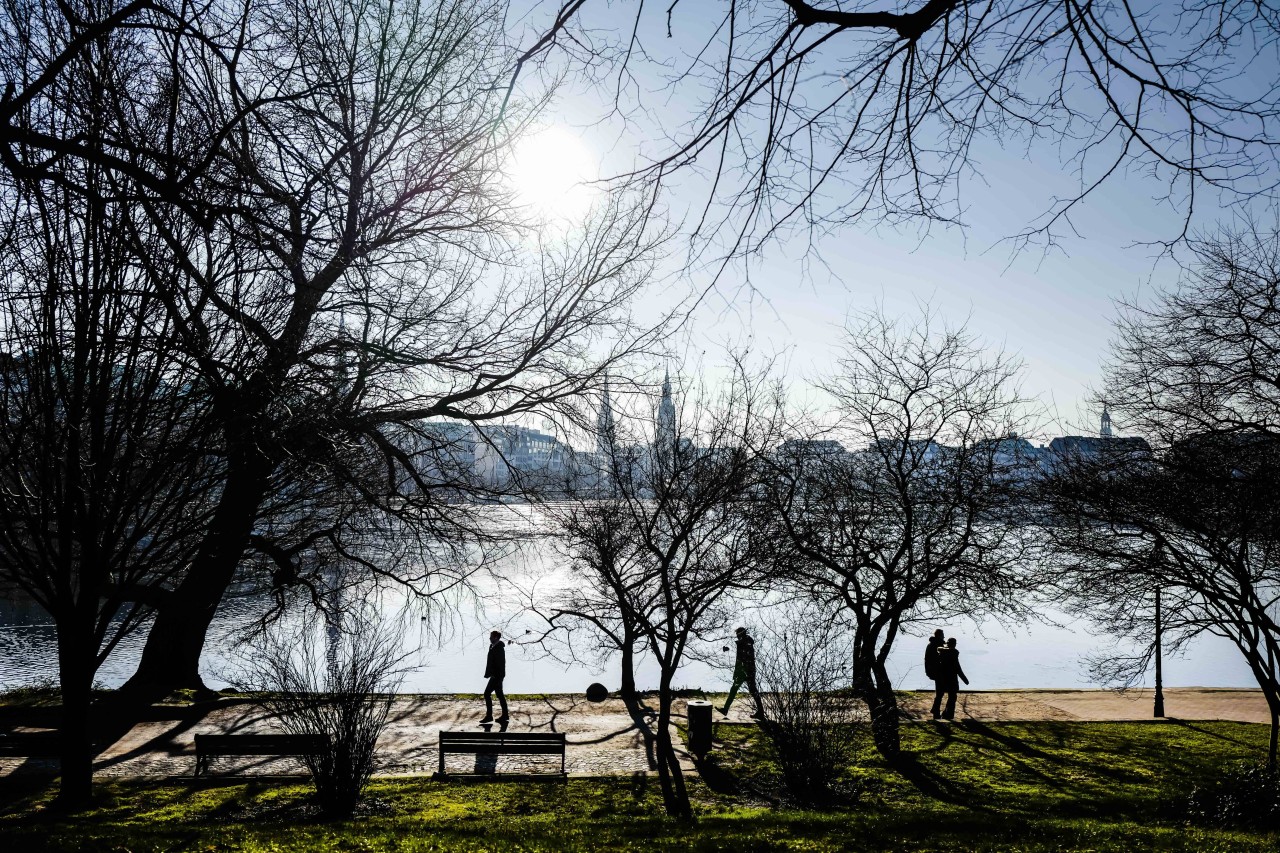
(997, 786)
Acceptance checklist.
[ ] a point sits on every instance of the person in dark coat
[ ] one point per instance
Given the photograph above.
(744, 672)
(495, 669)
(949, 676)
(931, 655)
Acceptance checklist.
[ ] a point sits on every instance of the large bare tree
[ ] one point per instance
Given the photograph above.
(1195, 370)
(345, 268)
(916, 522)
(1194, 525)
(320, 209)
(109, 457)
(664, 540)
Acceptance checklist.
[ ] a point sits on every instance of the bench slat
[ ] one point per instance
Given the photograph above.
(551, 737)
(31, 745)
(500, 743)
(256, 744)
(510, 749)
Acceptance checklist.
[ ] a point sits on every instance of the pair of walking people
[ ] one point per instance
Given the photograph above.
(942, 665)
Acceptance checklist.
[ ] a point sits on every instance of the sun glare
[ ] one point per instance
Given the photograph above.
(550, 170)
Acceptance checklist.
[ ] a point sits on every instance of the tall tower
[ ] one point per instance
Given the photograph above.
(1105, 432)
(666, 433)
(606, 429)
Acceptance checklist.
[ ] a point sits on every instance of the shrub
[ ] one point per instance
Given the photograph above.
(1246, 795)
(345, 691)
(810, 717)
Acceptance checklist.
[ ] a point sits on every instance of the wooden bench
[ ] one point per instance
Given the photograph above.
(208, 746)
(502, 743)
(30, 745)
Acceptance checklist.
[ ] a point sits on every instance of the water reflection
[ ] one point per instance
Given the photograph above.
(446, 645)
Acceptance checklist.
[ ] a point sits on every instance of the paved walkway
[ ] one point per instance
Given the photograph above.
(1185, 703)
(602, 739)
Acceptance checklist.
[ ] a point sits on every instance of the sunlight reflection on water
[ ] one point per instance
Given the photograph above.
(447, 650)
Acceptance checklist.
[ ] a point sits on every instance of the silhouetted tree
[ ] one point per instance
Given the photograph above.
(1204, 356)
(1198, 523)
(679, 543)
(916, 523)
(109, 460)
(1194, 370)
(345, 272)
(591, 528)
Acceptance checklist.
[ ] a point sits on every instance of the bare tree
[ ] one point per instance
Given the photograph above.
(1204, 356)
(351, 214)
(1196, 525)
(1195, 371)
(592, 529)
(108, 456)
(678, 540)
(818, 114)
(918, 524)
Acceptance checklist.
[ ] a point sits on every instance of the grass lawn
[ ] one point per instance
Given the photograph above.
(971, 786)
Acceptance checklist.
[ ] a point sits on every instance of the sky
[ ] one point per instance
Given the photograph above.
(1055, 310)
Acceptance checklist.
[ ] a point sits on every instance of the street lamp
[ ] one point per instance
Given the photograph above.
(1159, 706)
(1159, 709)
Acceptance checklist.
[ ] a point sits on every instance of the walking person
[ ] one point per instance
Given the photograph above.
(744, 671)
(949, 676)
(495, 669)
(931, 655)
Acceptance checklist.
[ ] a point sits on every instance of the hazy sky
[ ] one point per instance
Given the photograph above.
(1055, 310)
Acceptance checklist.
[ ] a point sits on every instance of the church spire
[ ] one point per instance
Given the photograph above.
(666, 436)
(606, 429)
(1105, 431)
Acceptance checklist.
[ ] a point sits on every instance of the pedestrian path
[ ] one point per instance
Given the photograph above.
(602, 739)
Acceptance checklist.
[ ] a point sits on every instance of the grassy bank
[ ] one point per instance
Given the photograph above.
(997, 786)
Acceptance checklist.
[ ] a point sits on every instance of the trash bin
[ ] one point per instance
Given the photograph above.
(699, 727)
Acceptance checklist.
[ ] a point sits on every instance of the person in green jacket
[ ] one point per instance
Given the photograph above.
(744, 672)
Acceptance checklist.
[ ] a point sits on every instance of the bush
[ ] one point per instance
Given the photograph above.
(1246, 796)
(40, 691)
(810, 717)
(346, 692)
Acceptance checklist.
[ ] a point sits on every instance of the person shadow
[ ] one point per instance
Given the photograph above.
(488, 762)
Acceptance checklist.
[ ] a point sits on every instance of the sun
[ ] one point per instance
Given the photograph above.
(550, 173)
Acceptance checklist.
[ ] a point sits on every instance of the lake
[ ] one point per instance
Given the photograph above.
(446, 646)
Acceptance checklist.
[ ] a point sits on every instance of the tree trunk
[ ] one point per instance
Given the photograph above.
(75, 673)
(675, 797)
(1273, 705)
(871, 684)
(631, 700)
(884, 722)
(171, 657)
(628, 688)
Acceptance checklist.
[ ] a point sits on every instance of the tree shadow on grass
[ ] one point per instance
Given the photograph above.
(1205, 730)
(1009, 742)
(934, 785)
(716, 777)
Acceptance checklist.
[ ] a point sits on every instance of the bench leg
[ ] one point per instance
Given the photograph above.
(442, 760)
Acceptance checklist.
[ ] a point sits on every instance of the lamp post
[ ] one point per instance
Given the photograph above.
(1159, 709)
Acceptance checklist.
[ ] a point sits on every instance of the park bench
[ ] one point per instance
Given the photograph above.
(30, 745)
(502, 743)
(207, 746)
